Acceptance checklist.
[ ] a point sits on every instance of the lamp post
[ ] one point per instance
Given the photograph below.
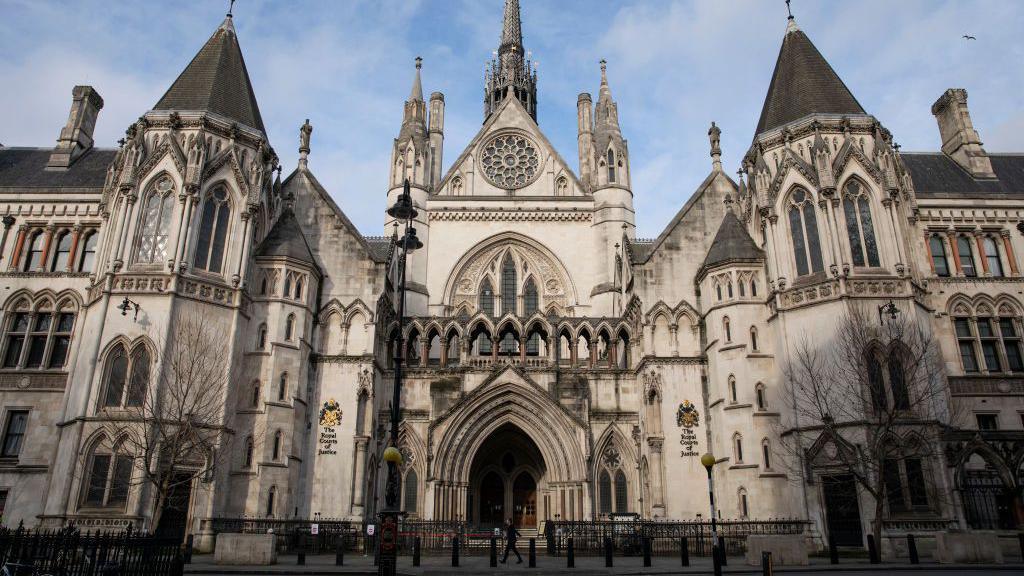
(404, 211)
(708, 460)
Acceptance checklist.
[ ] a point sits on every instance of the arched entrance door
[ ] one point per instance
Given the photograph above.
(504, 479)
(524, 501)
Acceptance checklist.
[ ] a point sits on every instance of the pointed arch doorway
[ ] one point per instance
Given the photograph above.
(507, 472)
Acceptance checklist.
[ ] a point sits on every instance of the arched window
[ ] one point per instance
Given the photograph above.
(753, 287)
(287, 285)
(743, 288)
(621, 493)
(876, 383)
(938, 250)
(766, 454)
(897, 381)
(62, 256)
(762, 400)
(531, 302)
(803, 225)
(718, 291)
(729, 286)
(732, 389)
(271, 504)
(261, 337)
(744, 504)
(361, 412)
(859, 227)
(611, 166)
(737, 442)
(213, 231)
(753, 338)
(127, 377)
(87, 260)
(487, 298)
(256, 393)
(963, 247)
(411, 491)
(282, 387)
(155, 225)
(298, 288)
(263, 286)
(34, 256)
(995, 265)
(108, 477)
(30, 337)
(727, 329)
(276, 448)
(562, 187)
(289, 327)
(508, 286)
(247, 462)
(605, 490)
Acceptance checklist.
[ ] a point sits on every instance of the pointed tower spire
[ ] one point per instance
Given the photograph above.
(606, 113)
(417, 83)
(216, 81)
(510, 74)
(803, 83)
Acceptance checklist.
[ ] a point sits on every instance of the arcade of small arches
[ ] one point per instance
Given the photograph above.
(578, 343)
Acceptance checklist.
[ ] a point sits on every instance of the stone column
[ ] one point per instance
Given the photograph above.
(494, 350)
(359, 474)
(522, 350)
(46, 248)
(185, 200)
(19, 244)
(656, 470)
(1010, 258)
(673, 329)
(465, 345)
(955, 251)
(243, 254)
(129, 208)
(979, 240)
(928, 251)
(890, 206)
(76, 233)
(551, 352)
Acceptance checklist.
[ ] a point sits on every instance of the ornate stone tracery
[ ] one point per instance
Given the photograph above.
(510, 161)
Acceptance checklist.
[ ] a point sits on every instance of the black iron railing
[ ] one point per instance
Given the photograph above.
(69, 552)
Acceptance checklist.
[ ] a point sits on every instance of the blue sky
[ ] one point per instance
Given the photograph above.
(674, 66)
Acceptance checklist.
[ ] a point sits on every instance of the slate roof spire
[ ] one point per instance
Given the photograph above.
(732, 243)
(216, 80)
(803, 83)
(511, 73)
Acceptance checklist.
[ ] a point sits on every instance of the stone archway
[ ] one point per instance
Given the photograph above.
(504, 478)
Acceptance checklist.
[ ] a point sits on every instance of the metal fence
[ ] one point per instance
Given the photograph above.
(69, 552)
(627, 536)
(437, 536)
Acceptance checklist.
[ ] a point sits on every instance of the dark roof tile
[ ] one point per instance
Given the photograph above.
(731, 243)
(936, 175)
(26, 168)
(286, 239)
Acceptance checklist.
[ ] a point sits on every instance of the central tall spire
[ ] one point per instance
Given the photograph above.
(510, 74)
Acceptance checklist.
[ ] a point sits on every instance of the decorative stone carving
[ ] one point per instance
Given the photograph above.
(510, 161)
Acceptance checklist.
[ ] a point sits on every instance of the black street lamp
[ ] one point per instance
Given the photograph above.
(708, 461)
(889, 309)
(403, 210)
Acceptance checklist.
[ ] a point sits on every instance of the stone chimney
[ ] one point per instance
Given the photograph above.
(960, 141)
(76, 137)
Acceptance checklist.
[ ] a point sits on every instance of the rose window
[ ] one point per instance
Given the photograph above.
(510, 161)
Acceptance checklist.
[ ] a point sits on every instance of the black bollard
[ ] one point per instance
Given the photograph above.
(301, 558)
(766, 564)
(533, 553)
(1020, 540)
(721, 551)
(872, 550)
(647, 551)
(833, 550)
(570, 554)
(455, 552)
(494, 552)
(608, 552)
(189, 542)
(339, 551)
(912, 549)
(416, 551)
(684, 551)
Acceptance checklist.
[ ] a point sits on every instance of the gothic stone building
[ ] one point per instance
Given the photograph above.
(558, 366)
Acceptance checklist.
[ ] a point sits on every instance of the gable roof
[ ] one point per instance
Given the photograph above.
(216, 80)
(936, 175)
(803, 83)
(286, 239)
(303, 178)
(732, 243)
(25, 168)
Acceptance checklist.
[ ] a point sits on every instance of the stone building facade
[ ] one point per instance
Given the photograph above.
(558, 366)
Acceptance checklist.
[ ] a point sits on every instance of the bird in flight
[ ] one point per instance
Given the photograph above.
(968, 37)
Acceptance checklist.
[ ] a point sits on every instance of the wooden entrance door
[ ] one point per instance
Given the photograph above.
(842, 510)
(524, 501)
(174, 518)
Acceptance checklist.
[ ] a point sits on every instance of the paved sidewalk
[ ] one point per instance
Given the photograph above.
(585, 566)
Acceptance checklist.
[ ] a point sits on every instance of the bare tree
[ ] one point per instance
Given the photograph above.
(877, 381)
(176, 430)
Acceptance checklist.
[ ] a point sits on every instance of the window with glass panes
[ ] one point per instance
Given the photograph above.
(963, 248)
(14, 433)
(38, 341)
(989, 344)
(803, 225)
(965, 341)
(995, 265)
(987, 421)
(938, 250)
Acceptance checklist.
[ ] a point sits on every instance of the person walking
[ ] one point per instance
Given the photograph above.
(511, 534)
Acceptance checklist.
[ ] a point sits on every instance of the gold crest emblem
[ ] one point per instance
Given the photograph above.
(330, 414)
(687, 416)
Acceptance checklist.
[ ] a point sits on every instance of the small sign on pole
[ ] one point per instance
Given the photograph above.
(370, 529)
(314, 529)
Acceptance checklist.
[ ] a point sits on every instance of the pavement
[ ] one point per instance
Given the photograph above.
(585, 566)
